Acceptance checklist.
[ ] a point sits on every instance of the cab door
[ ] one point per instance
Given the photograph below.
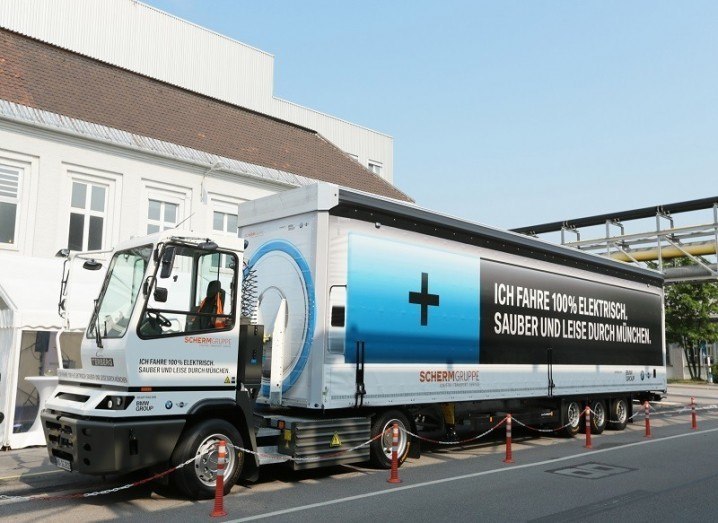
(188, 327)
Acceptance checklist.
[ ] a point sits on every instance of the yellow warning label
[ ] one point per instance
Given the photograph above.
(287, 435)
(336, 441)
(226, 380)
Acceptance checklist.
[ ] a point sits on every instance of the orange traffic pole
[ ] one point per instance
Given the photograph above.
(588, 427)
(218, 510)
(394, 475)
(694, 421)
(509, 457)
(647, 410)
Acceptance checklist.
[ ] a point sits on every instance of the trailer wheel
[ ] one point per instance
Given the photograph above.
(618, 414)
(598, 416)
(380, 449)
(571, 417)
(197, 479)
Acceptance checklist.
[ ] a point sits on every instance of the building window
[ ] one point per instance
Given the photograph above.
(161, 215)
(94, 199)
(87, 216)
(375, 167)
(225, 222)
(9, 202)
(166, 207)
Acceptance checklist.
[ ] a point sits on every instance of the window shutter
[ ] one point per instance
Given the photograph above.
(9, 182)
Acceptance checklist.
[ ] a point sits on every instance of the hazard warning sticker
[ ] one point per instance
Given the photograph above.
(336, 441)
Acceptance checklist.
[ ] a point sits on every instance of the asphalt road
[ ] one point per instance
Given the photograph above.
(673, 475)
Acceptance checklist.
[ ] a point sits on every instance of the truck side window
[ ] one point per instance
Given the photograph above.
(199, 295)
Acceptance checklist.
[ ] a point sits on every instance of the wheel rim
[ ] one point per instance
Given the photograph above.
(387, 438)
(573, 414)
(599, 414)
(621, 411)
(205, 462)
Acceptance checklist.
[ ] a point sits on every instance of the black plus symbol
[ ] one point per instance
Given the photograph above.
(423, 298)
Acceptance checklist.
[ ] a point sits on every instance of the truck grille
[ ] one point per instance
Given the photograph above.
(59, 435)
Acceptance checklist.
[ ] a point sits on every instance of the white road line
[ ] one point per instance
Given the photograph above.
(465, 476)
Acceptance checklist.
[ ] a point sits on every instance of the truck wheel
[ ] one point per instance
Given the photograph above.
(618, 414)
(380, 449)
(598, 416)
(571, 418)
(197, 479)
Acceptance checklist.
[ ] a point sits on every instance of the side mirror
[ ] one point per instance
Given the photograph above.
(168, 259)
(92, 265)
(160, 294)
(208, 245)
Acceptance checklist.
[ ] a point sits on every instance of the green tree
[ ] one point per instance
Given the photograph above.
(691, 313)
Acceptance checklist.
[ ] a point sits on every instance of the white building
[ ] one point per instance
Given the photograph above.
(100, 140)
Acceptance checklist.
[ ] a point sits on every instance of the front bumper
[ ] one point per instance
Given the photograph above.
(109, 447)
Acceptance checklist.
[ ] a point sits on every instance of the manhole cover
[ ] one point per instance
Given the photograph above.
(591, 471)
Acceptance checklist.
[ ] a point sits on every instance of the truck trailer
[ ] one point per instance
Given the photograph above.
(333, 315)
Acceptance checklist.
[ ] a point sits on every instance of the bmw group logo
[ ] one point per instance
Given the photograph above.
(168, 405)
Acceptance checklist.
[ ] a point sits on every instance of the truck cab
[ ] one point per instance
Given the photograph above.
(160, 359)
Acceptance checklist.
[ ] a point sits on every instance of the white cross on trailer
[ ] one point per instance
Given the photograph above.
(338, 314)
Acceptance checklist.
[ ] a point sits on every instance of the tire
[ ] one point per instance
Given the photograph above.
(380, 449)
(599, 416)
(197, 479)
(570, 417)
(618, 414)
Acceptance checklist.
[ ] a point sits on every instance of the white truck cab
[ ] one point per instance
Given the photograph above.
(162, 346)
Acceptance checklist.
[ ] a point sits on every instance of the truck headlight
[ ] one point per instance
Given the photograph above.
(115, 402)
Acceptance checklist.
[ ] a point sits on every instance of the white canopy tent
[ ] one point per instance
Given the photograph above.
(35, 340)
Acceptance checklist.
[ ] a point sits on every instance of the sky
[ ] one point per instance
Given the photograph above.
(506, 113)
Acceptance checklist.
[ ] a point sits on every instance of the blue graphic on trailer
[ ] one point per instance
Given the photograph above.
(411, 304)
(298, 258)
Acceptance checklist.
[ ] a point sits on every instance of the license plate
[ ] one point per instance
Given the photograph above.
(64, 464)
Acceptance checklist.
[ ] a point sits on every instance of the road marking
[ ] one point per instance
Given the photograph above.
(465, 476)
(591, 471)
(31, 474)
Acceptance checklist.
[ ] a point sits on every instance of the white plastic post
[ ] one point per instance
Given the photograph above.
(277, 371)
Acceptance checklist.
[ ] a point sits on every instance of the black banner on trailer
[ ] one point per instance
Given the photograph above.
(524, 312)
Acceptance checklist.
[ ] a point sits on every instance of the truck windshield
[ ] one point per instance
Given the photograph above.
(119, 293)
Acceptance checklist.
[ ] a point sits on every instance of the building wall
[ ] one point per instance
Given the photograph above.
(145, 40)
(677, 367)
(50, 162)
